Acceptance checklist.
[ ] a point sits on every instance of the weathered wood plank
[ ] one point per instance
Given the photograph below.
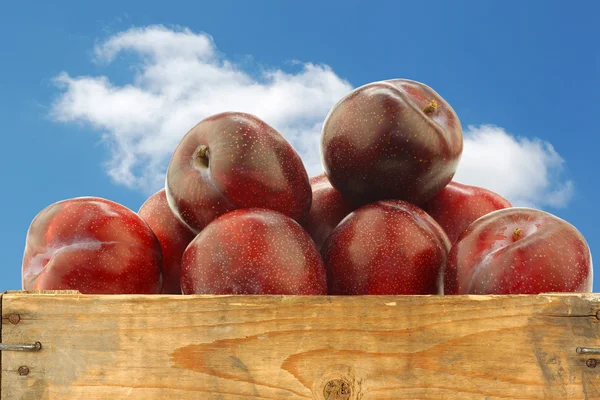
(274, 347)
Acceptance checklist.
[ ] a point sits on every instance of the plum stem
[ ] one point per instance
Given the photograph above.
(517, 234)
(201, 157)
(430, 107)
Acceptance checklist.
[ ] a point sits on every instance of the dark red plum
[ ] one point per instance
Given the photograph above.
(328, 208)
(457, 205)
(394, 139)
(519, 251)
(235, 160)
(388, 247)
(92, 245)
(253, 251)
(173, 235)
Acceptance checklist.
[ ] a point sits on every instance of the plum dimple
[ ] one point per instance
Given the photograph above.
(245, 163)
(391, 139)
(386, 247)
(253, 251)
(92, 245)
(519, 250)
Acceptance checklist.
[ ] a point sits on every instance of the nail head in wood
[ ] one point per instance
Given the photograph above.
(23, 371)
(14, 318)
(591, 363)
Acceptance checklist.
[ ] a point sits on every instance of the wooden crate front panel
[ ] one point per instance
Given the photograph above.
(282, 347)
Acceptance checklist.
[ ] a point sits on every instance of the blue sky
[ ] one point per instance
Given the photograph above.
(94, 95)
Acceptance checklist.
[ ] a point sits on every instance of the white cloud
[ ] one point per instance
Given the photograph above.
(180, 78)
(160, 43)
(525, 171)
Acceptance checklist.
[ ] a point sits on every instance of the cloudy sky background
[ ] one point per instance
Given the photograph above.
(180, 77)
(94, 101)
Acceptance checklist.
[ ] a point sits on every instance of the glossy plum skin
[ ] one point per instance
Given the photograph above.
(327, 210)
(457, 205)
(519, 251)
(394, 139)
(387, 247)
(253, 251)
(92, 245)
(173, 235)
(235, 160)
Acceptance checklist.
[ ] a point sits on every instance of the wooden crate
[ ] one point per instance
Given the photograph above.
(295, 347)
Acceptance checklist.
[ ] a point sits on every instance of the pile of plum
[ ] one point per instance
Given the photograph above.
(240, 215)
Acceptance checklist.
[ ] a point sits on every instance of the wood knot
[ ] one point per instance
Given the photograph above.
(337, 382)
(337, 389)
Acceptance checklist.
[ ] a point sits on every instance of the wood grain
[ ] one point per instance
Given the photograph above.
(287, 347)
